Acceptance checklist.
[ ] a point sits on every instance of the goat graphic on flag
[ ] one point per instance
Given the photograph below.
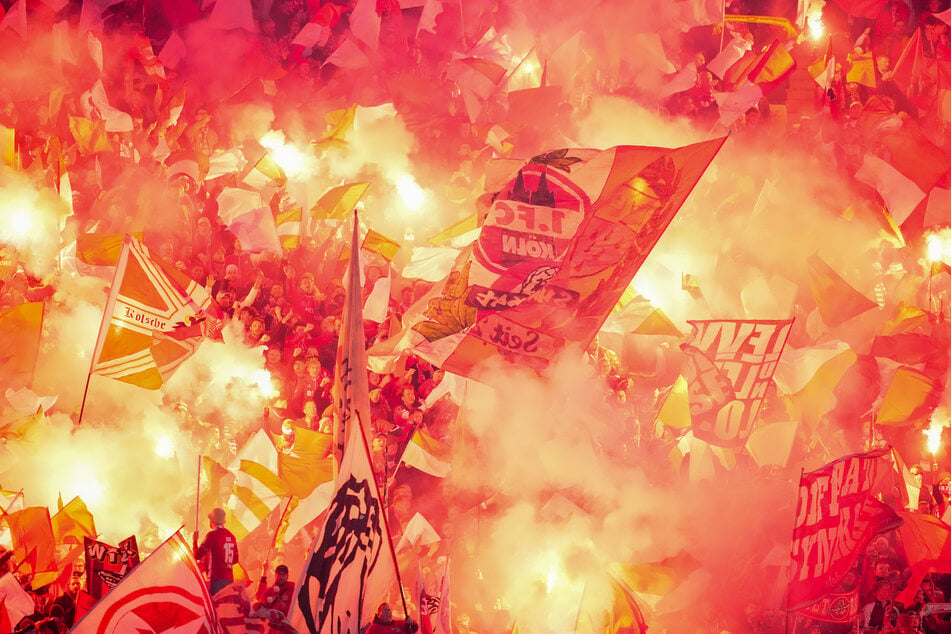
(155, 319)
(351, 565)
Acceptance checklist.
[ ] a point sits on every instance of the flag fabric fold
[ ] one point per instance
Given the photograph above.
(165, 592)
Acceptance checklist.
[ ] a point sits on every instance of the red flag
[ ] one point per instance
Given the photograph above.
(862, 8)
(925, 539)
(164, 592)
(836, 517)
(730, 365)
(107, 565)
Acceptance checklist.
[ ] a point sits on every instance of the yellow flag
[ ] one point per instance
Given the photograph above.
(339, 201)
(90, 135)
(465, 225)
(379, 243)
(339, 124)
(675, 412)
(72, 523)
(657, 323)
(101, 249)
(907, 394)
(8, 152)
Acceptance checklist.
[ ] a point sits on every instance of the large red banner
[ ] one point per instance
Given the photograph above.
(836, 516)
(730, 364)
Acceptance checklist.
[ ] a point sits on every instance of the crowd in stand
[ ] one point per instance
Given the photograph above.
(289, 305)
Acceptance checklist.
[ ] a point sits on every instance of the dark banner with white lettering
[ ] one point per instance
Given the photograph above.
(730, 364)
(836, 516)
(106, 565)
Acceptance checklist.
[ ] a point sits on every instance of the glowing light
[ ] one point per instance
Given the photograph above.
(935, 247)
(164, 447)
(411, 194)
(293, 161)
(933, 434)
(21, 222)
(816, 27)
(262, 380)
(552, 578)
(89, 488)
(528, 67)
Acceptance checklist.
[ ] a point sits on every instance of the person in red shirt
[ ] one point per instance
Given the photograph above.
(275, 602)
(384, 623)
(218, 553)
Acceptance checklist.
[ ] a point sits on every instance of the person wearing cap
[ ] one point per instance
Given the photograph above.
(275, 602)
(218, 553)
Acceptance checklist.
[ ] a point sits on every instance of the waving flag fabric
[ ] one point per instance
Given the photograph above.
(155, 319)
(559, 245)
(166, 592)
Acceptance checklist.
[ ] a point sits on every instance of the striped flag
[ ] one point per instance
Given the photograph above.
(428, 454)
(166, 592)
(155, 318)
(257, 488)
(287, 218)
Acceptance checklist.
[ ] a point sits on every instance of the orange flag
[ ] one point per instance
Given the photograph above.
(73, 522)
(34, 546)
(836, 300)
(101, 249)
(20, 329)
(907, 398)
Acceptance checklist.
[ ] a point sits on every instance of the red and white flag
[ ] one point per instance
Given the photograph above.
(837, 515)
(166, 592)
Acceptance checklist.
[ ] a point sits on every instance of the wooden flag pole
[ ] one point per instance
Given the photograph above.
(106, 319)
(197, 504)
(802, 472)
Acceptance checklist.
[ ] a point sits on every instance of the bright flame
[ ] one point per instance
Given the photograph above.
(552, 578)
(89, 488)
(411, 194)
(816, 27)
(262, 379)
(292, 160)
(933, 434)
(21, 222)
(164, 447)
(935, 247)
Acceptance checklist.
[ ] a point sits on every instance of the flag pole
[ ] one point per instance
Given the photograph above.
(6, 511)
(386, 523)
(270, 547)
(106, 319)
(197, 505)
(802, 472)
